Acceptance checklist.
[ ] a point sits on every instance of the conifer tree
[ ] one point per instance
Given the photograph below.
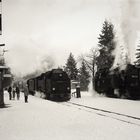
(107, 45)
(84, 77)
(71, 67)
(138, 56)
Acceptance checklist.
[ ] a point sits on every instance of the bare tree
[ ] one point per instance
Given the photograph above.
(90, 61)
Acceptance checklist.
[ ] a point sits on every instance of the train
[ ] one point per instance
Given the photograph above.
(55, 84)
(119, 83)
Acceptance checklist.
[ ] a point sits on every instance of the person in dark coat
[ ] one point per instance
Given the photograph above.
(26, 92)
(10, 92)
(18, 92)
(13, 93)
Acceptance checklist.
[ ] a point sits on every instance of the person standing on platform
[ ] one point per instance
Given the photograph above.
(13, 93)
(10, 92)
(17, 92)
(26, 92)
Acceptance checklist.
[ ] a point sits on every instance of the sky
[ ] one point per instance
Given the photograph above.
(40, 34)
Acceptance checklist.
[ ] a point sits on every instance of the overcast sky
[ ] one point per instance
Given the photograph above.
(37, 30)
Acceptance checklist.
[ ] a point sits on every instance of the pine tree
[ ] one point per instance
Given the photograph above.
(138, 56)
(84, 77)
(71, 67)
(107, 45)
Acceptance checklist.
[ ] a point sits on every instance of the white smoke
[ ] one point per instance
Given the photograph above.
(121, 57)
(130, 25)
(127, 33)
(25, 59)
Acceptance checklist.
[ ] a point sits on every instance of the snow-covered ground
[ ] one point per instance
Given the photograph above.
(45, 120)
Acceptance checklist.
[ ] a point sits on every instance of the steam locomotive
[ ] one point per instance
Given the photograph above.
(55, 84)
(118, 83)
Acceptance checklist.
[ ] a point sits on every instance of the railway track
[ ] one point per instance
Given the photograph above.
(106, 113)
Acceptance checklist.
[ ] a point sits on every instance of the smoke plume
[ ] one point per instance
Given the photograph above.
(26, 59)
(130, 26)
(128, 33)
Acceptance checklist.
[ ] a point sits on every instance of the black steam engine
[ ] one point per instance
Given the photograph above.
(55, 84)
(118, 83)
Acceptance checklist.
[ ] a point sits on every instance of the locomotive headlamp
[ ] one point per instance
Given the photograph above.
(68, 88)
(53, 89)
(60, 75)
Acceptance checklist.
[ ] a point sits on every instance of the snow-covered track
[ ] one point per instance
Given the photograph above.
(106, 113)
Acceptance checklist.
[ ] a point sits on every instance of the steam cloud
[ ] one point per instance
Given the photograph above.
(129, 33)
(130, 26)
(32, 59)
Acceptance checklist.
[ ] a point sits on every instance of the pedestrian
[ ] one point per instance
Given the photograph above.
(26, 92)
(10, 92)
(18, 92)
(13, 93)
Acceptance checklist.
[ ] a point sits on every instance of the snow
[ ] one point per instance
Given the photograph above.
(130, 107)
(46, 120)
